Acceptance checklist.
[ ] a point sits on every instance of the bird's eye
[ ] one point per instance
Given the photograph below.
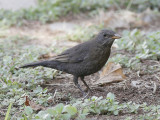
(105, 35)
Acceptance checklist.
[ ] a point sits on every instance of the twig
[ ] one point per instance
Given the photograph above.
(57, 84)
(2, 81)
(119, 8)
(129, 5)
(101, 89)
(55, 93)
(138, 72)
(157, 77)
(85, 96)
(154, 87)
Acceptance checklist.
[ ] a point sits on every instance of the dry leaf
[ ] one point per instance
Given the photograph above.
(27, 102)
(110, 74)
(33, 105)
(36, 107)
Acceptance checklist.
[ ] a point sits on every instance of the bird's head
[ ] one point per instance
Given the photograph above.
(107, 37)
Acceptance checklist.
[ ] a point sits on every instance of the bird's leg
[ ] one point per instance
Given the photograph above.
(75, 80)
(82, 78)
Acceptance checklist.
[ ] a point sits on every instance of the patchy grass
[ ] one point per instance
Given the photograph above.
(42, 102)
(16, 84)
(95, 105)
(49, 10)
(138, 46)
(82, 34)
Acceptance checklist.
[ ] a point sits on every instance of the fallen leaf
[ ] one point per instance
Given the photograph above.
(33, 105)
(111, 73)
(27, 102)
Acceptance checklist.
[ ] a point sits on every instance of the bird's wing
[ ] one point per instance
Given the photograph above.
(73, 55)
(68, 58)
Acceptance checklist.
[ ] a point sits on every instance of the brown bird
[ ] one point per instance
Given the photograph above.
(83, 59)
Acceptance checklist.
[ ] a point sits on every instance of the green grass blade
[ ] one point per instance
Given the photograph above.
(8, 111)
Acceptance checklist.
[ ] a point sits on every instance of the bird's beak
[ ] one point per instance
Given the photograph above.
(116, 36)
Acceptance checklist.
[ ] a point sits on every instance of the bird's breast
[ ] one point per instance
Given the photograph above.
(96, 61)
(100, 55)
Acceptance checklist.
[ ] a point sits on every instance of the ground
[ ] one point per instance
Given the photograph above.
(139, 86)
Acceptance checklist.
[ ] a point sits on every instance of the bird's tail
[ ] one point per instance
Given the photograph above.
(40, 63)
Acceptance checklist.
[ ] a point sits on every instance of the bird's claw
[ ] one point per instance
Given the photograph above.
(85, 95)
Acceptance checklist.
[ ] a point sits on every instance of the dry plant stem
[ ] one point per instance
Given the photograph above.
(54, 94)
(57, 84)
(129, 5)
(154, 87)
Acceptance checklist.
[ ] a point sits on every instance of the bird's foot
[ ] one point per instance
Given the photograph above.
(85, 95)
(89, 91)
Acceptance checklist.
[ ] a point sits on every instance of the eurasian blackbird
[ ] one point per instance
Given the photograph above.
(83, 59)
